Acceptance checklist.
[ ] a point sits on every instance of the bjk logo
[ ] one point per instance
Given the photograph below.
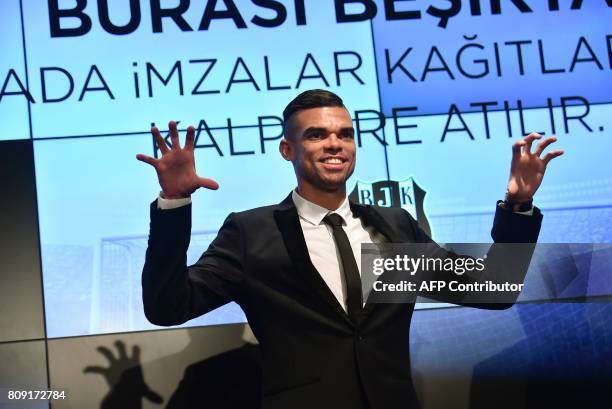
(406, 194)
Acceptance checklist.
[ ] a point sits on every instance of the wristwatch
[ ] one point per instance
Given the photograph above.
(517, 206)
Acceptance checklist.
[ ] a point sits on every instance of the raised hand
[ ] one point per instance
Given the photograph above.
(176, 168)
(527, 168)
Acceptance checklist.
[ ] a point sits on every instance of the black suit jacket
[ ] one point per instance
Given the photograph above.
(313, 356)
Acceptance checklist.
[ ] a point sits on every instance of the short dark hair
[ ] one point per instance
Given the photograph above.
(313, 98)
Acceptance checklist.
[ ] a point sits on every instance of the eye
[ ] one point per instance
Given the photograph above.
(347, 134)
(315, 135)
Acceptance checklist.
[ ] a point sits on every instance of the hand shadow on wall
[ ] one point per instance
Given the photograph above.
(230, 380)
(124, 378)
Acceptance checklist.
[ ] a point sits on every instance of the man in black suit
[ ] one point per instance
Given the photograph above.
(293, 267)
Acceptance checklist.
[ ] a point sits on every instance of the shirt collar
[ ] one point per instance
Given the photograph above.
(314, 214)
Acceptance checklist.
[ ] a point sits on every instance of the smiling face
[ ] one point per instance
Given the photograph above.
(320, 143)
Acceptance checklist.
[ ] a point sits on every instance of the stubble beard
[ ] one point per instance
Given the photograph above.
(329, 184)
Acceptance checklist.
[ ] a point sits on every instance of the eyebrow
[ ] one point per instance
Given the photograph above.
(322, 129)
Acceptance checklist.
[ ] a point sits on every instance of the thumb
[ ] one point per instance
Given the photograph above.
(512, 187)
(208, 183)
(95, 369)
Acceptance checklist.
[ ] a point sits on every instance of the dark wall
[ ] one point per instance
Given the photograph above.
(21, 301)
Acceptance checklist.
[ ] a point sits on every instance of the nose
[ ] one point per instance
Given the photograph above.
(333, 142)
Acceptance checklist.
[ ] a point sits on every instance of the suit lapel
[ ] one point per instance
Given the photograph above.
(288, 223)
(372, 218)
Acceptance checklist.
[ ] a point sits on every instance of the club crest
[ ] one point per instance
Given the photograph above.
(406, 194)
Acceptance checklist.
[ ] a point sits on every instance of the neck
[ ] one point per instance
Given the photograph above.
(329, 199)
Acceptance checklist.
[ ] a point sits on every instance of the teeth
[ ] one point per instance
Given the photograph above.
(333, 160)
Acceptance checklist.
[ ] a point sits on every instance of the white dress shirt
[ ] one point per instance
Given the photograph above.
(167, 204)
(322, 247)
(319, 238)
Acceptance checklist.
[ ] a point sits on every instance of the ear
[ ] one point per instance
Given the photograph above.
(286, 149)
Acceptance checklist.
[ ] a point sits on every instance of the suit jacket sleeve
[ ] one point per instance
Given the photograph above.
(508, 227)
(173, 292)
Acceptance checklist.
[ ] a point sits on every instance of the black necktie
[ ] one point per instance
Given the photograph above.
(354, 295)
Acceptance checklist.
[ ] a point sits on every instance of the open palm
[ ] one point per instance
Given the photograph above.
(176, 168)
